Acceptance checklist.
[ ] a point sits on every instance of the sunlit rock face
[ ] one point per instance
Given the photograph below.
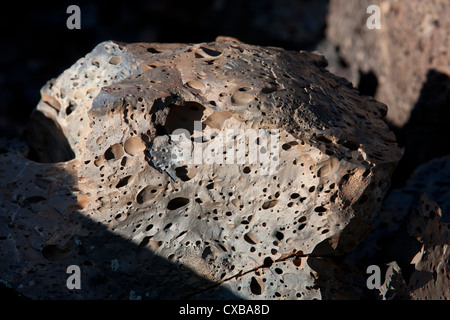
(211, 170)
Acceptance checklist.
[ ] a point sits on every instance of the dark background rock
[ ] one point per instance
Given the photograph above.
(405, 64)
(37, 46)
(425, 136)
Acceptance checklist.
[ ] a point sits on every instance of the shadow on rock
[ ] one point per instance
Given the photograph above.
(42, 233)
(426, 134)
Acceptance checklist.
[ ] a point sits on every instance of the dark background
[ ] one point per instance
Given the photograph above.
(37, 45)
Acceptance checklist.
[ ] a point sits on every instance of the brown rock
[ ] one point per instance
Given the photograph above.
(414, 38)
(139, 212)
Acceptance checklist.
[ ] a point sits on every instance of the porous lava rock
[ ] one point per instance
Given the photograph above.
(102, 187)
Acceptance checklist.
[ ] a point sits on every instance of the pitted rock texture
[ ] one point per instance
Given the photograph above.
(185, 229)
(413, 40)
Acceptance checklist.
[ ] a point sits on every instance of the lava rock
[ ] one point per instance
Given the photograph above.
(395, 59)
(192, 170)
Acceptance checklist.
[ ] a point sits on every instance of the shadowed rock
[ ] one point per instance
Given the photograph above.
(146, 220)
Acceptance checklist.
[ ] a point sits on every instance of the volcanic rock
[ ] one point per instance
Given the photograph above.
(191, 170)
(394, 60)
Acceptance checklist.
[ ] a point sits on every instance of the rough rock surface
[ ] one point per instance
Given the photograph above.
(412, 232)
(431, 277)
(414, 38)
(103, 191)
(394, 287)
